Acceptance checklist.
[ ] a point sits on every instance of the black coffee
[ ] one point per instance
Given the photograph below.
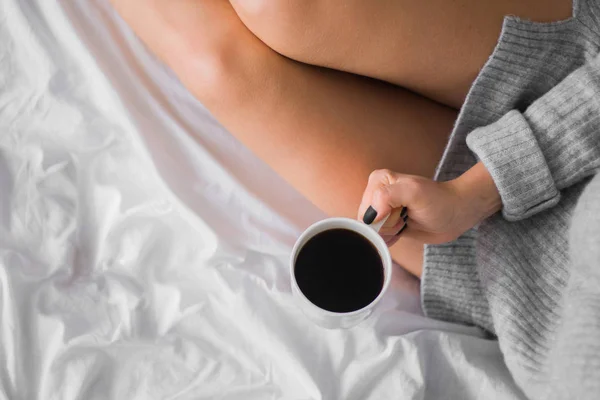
(339, 270)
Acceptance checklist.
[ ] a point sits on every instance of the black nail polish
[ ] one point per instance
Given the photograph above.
(402, 229)
(404, 213)
(370, 215)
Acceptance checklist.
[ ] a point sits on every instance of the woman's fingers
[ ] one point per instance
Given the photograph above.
(389, 193)
(391, 239)
(376, 180)
(394, 223)
(368, 212)
(403, 192)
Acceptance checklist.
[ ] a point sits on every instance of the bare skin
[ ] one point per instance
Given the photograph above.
(325, 131)
(435, 47)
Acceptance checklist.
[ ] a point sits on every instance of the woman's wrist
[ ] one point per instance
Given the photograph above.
(478, 192)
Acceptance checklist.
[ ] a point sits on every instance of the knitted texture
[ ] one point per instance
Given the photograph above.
(531, 274)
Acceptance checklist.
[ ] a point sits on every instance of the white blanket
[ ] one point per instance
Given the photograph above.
(143, 250)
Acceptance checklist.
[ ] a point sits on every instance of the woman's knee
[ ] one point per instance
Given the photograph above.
(290, 27)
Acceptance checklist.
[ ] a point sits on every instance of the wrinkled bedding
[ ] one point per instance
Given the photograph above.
(143, 250)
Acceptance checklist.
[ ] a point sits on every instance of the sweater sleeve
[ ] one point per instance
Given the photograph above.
(554, 144)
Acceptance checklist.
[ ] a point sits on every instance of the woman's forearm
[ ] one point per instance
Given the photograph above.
(479, 191)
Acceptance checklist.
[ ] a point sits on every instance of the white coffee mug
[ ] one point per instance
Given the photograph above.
(330, 319)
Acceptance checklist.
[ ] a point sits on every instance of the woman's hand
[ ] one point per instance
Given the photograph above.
(429, 211)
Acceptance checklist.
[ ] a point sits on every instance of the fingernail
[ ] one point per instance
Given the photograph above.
(402, 229)
(370, 215)
(404, 213)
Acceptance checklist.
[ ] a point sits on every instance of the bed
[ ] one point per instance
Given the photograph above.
(143, 250)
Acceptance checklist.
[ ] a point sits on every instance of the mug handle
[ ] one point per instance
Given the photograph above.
(377, 226)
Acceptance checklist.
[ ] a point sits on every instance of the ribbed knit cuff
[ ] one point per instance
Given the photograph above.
(511, 154)
(450, 285)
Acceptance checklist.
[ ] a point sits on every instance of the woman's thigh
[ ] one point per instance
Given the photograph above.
(433, 47)
(324, 131)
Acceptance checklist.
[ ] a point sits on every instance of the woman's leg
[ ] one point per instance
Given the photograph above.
(433, 47)
(322, 130)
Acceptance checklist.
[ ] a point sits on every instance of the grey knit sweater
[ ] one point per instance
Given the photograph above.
(531, 274)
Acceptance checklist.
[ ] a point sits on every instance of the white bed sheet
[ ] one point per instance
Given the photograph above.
(143, 250)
